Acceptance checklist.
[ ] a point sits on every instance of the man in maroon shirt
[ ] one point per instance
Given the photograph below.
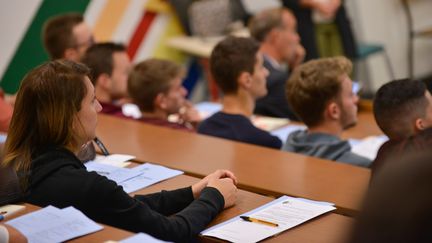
(155, 86)
(110, 66)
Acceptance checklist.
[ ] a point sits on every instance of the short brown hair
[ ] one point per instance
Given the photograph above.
(314, 84)
(263, 22)
(57, 34)
(230, 58)
(47, 102)
(150, 78)
(99, 58)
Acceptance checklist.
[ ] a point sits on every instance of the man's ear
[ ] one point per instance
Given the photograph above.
(71, 54)
(159, 101)
(419, 124)
(245, 80)
(103, 81)
(333, 111)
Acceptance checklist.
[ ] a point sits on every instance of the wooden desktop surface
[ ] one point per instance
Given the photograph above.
(330, 227)
(259, 169)
(326, 228)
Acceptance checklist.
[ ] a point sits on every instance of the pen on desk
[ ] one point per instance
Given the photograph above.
(254, 220)
(101, 146)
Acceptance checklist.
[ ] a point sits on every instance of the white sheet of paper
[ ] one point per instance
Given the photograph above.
(149, 175)
(207, 109)
(140, 238)
(283, 132)
(285, 211)
(112, 172)
(118, 160)
(269, 123)
(368, 147)
(51, 224)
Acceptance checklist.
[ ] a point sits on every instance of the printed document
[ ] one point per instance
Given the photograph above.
(51, 224)
(286, 212)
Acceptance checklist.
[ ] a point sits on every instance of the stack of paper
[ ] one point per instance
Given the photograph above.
(269, 219)
(135, 178)
(368, 147)
(51, 224)
(119, 160)
(140, 238)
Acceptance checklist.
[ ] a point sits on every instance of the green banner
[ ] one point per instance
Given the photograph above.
(30, 52)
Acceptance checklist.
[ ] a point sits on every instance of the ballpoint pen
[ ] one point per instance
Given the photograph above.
(101, 146)
(254, 220)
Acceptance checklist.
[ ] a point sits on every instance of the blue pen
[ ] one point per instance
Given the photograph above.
(1, 217)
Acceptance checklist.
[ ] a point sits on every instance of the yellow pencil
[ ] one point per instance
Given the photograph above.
(260, 221)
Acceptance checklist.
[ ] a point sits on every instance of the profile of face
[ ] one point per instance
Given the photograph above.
(172, 100)
(426, 120)
(259, 78)
(287, 38)
(119, 76)
(86, 119)
(83, 38)
(348, 103)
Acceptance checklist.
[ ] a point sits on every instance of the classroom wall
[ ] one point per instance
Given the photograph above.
(374, 21)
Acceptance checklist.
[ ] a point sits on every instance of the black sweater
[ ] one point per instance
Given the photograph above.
(58, 178)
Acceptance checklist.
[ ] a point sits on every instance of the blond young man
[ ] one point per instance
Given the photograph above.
(155, 86)
(320, 92)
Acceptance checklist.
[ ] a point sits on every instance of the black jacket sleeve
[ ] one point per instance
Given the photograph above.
(114, 207)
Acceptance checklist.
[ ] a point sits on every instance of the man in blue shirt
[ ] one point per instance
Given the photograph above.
(237, 66)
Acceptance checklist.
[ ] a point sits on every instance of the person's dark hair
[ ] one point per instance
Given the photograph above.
(230, 58)
(46, 106)
(397, 207)
(99, 58)
(314, 84)
(57, 34)
(150, 78)
(397, 105)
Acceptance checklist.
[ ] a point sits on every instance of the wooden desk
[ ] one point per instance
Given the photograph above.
(327, 228)
(261, 170)
(107, 233)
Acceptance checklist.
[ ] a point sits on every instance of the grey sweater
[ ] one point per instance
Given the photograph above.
(324, 146)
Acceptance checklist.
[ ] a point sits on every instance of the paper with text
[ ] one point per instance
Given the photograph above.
(149, 175)
(285, 211)
(51, 224)
(112, 172)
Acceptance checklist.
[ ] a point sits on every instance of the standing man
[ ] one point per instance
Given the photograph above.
(275, 29)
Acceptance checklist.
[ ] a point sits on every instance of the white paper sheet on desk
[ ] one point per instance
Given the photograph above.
(269, 123)
(285, 211)
(149, 174)
(283, 132)
(140, 238)
(51, 224)
(112, 172)
(207, 109)
(118, 160)
(368, 147)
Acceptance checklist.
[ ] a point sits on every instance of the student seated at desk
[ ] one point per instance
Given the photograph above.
(109, 66)
(320, 92)
(402, 109)
(237, 66)
(155, 86)
(55, 114)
